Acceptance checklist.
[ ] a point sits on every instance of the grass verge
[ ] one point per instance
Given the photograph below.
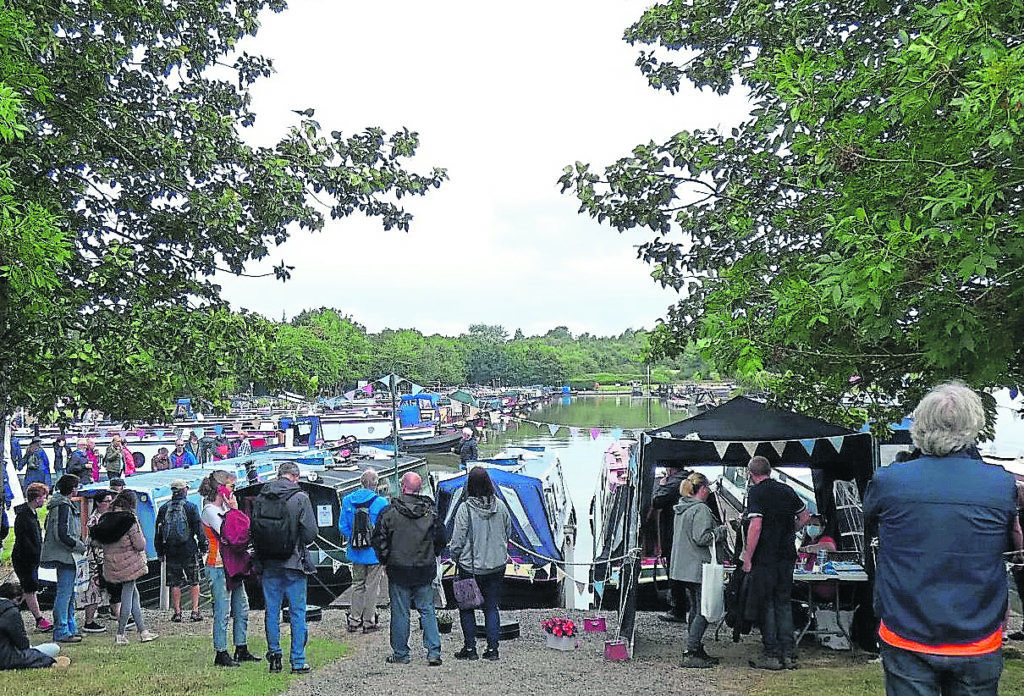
(172, 666)
(862, 680)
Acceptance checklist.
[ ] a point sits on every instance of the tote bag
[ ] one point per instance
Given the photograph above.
(712, 589)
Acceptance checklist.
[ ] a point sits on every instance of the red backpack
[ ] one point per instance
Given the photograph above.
(234, 547)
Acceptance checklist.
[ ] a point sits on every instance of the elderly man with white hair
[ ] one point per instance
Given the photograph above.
(359, 512)
(944, 520)
(466, 448)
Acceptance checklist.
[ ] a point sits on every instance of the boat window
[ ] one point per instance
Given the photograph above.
(518, 511)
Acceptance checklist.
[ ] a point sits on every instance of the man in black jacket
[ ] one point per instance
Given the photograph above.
(666, 495)
(285, 576)
(466, 448)
(407, 539)
(28, 543)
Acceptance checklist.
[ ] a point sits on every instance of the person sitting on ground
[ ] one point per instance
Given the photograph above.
(693, 533)
(28, 544)
(179, 540)
(124, 561)
(15, 650)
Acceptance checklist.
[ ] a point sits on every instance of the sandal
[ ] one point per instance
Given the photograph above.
(196, 616)
(176, 618)
(351, 625)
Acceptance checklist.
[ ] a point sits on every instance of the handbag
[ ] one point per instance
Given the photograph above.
(712, 588)
(466, 590)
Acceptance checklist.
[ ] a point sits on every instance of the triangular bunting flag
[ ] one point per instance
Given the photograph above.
(808, 445)
(599, 587)
(218, 429)
(617, 433)
(140, 433)
(751, 446)
(574, 432)
(594, 433)
(837, 442)
(779, 445)
(581, 587)
(199, 432)
(721, 447)
(103, 432)
(159, 434)
(552, 428)
(335, 564)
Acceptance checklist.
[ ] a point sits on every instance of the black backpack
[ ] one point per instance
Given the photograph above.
(362, 528)
(275, 532)
(175, 530)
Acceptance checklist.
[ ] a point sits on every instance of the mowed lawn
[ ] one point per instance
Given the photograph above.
(864, 680)
(171, 666)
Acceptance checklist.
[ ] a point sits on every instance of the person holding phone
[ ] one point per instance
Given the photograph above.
(218, 491)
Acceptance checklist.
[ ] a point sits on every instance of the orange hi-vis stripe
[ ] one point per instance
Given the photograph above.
(979, 647)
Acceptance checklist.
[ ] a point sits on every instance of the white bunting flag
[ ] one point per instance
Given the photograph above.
(552, 428)
(751, 447)
(837, 442)
(721, 447)
(779, 445)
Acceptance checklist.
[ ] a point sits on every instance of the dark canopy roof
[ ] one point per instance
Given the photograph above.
(742, 428)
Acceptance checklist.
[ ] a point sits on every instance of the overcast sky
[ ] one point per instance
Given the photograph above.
(503, 96)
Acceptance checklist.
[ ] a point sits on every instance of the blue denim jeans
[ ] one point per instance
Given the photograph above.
(236, 601)
(910, 673)
(490, 588)
(776, 609)
(402, 598)
(279, 583)
(64, 603)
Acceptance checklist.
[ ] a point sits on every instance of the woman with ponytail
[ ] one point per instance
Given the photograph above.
(694, 531)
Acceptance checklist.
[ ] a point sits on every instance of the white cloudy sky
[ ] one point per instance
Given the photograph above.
(503, 96)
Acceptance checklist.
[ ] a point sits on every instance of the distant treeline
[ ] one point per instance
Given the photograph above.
(338, 352)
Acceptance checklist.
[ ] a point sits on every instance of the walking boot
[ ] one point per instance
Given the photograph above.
(224, 659)
(242, 654)
(274, 663)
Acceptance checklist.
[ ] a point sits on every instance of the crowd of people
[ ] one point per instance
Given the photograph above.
(945, 522)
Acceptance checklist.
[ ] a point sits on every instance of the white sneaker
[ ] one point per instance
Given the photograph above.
(121, 639)
(147, 636)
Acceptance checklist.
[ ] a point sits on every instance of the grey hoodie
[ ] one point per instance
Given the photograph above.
(480, 536)
(63, 533)
(691, 540)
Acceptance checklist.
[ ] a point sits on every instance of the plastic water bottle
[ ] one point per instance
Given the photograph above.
(822, 559)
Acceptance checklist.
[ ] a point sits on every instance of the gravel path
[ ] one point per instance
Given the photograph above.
(528, 666)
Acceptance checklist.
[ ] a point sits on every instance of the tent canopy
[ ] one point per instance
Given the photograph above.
(742, 428)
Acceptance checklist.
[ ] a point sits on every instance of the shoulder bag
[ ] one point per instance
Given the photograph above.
(467, 592)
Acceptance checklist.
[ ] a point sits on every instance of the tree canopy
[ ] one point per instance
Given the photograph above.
(122, 155)
(859, 236)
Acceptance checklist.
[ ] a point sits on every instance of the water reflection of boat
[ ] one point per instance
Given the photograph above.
(531, 481)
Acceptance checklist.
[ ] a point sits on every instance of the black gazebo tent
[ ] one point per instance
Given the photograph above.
(729, 436)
